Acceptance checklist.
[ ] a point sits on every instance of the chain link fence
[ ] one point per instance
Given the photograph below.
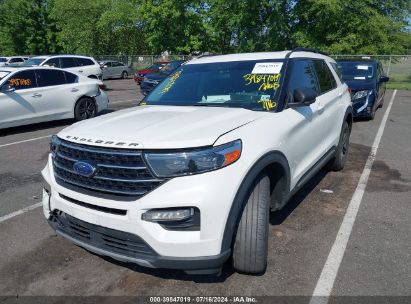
(137, 62)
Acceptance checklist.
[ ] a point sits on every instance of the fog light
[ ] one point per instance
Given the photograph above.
(166, 215)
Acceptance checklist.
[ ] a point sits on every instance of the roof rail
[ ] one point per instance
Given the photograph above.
(303, 49)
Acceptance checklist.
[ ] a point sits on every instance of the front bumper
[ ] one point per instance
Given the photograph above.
(212, 193)
(126, 247)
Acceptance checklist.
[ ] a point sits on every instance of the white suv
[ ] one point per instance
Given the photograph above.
(15, 60)
(82, 65)
(189, 178)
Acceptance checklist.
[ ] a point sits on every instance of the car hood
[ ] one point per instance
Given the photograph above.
(159, 127)
(358, 85)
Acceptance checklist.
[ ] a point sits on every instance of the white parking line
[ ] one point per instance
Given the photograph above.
(120, 101)
(18, 212)
(328, 275)
(23, 141)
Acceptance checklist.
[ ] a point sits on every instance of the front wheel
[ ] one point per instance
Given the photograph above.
(85, 108)
(251, 242)
(124, 75)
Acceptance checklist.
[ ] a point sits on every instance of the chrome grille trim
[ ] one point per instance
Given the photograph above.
(118, 172)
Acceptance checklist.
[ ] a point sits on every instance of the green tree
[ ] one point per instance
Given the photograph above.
(173, 25)
(248, 25)
(25, 28)
(352, 27)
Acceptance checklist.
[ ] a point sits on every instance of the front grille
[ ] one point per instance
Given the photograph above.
(118, 171)
(111, 240)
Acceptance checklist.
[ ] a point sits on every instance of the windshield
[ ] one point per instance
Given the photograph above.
(356, 70)
(253, 85)
(3, 74)
(34, 61)
(171, 66)
(2, 59)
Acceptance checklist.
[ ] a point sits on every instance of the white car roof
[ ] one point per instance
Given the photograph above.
(256, 56)
(65, 55)
(21, 68)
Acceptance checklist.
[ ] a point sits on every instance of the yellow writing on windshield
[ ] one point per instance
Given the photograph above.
(266, 81)
(16, 82)
(267, 104)
(171, 82)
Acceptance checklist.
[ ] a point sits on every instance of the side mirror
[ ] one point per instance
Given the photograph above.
(7, 88)
(303, 97)
(384, 78)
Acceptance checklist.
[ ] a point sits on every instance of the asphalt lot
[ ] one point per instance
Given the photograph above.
(34, 261)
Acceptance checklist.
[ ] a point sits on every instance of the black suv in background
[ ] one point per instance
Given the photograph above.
(366, 79)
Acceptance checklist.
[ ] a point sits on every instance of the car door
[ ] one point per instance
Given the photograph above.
(329, 104)
(108, 70)
(119, 68)
(305, 135)
(18, 106)
(57, 99)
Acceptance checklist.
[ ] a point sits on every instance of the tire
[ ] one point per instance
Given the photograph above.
(372, 114)
(251, 241)
(338, 162)
(85, 108)
(124, 75)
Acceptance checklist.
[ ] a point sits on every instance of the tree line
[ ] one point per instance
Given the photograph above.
(97, 27)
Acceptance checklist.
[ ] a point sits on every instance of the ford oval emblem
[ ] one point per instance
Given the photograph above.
(83, 168)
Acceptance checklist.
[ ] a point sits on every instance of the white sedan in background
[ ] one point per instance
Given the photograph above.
(36, 94)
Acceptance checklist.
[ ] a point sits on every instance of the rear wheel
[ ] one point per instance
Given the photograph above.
(85, 108)
(124, 75)
(251, 242)
(340, 158)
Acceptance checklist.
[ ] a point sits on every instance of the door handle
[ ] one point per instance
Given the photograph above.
(36, 95)
(320, 108)
(80, 71)
(74, 90)
(340, 94)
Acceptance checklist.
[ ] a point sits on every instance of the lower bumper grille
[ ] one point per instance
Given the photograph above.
(110, 240)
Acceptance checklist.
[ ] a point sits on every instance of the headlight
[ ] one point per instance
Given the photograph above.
(54, 143)
(360, 94)
(193, 161)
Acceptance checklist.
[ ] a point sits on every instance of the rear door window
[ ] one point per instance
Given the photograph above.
(337, 71)
(68, 62)
(325, 77)
(23, 80)
(84, 61)
(46, 78)
(71, 78)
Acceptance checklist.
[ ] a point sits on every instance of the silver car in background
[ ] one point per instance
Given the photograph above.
(114, 69)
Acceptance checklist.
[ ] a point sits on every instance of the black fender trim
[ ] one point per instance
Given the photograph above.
(274, 157)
